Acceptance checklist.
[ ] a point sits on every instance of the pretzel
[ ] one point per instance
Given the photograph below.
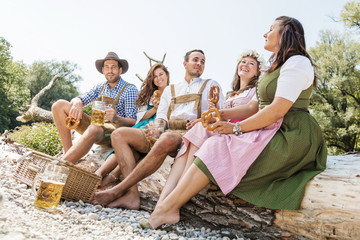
(157, 95)
(214, 94)
(207, 118)
(71, 123)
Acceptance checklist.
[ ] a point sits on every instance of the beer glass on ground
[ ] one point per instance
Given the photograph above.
(98, 113)
(52, 181)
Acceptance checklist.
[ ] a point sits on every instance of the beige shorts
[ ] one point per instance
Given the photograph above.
(149, 144)
(108, 129)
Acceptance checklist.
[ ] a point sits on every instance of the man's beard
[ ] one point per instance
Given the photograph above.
(115, 79)
(195, 74)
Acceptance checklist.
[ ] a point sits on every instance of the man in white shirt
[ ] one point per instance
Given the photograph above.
(174, 105)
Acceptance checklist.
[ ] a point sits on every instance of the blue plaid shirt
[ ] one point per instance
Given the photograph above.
(125, 107)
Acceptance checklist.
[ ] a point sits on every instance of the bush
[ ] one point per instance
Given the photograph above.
(42, 137)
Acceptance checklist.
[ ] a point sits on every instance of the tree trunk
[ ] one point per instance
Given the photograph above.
(36, 113)
(330, 209)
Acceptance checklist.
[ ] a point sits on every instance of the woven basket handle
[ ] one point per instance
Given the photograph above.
(22, 158)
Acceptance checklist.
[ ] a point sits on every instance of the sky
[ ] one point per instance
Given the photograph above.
(83, 31)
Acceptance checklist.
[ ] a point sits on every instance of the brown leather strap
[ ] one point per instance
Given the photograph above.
(172, 101)
(108, 100)
(186, 98)
(198, 101)
(101, 91)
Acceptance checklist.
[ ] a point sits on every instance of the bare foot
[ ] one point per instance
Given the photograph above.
(104, 197)
(161, 216)
(107, 181)
(130, 200)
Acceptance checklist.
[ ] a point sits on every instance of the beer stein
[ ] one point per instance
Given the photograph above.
(98, 113)
(52, 181)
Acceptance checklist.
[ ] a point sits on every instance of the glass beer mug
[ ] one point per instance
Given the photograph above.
(52, 181)
(98, 113)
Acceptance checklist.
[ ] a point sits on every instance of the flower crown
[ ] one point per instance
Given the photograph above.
(256, 55)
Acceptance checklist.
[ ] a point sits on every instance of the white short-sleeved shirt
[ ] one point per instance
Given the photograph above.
(186, 111)
(296, 75)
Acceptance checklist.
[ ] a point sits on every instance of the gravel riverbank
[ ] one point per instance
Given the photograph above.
(19, 220)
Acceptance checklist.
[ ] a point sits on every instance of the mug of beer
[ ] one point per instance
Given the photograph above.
(52, 181)
(98, 113)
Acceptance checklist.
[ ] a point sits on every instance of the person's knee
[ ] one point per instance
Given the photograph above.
(169, 141)
(172, 138)
(60, 105)
(119, 134)
(94, 133)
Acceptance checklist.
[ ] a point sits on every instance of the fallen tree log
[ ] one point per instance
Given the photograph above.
(329, 210)
(36, 113)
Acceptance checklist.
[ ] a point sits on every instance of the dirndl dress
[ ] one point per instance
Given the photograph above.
(142, 124)
(268, 167)
(197, 134)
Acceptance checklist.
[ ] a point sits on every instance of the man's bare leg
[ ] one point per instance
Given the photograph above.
(124, 140)
(167, 144)
(93, 134)
(60, 111)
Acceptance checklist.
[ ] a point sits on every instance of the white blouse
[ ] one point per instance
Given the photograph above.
(141, 111)
(296, 75)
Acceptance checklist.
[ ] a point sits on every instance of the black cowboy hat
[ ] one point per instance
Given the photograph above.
(112, 56)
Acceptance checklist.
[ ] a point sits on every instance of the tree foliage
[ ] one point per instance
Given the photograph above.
(40, 74)
(350, 14)
(20, 83)
(336, 101)
(13, 91)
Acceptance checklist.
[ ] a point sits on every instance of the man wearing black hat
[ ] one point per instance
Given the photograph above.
(115, 92)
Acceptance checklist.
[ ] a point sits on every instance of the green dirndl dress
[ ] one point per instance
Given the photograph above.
(142, 124)
(295, 154)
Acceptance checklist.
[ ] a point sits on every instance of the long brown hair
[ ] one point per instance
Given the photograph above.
(236, 84)
(292, 42)
(148, 86)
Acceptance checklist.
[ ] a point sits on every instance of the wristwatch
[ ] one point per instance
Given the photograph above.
(237, 129)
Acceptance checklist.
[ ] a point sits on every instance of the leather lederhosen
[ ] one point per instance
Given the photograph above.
(108, 126)
(180, 124)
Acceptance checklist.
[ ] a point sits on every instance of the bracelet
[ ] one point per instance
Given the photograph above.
(237, 129)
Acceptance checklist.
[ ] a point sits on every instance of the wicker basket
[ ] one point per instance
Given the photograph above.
(80, 184)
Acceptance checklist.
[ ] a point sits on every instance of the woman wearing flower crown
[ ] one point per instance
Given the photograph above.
(268, 158)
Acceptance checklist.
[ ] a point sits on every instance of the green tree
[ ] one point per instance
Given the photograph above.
(13, 92)
(350, 14)
(5, 57)
(40, 74)
(336, 101)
